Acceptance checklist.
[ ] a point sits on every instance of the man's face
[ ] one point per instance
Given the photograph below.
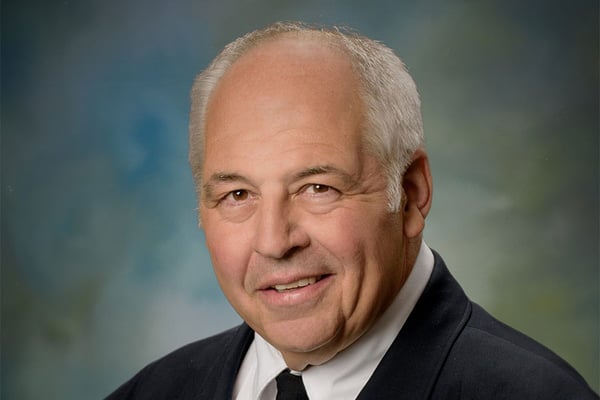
(294, 209)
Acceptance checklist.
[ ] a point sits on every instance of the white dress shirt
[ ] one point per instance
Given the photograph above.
(344, 376)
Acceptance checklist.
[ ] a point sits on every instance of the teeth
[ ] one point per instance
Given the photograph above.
(295, 285)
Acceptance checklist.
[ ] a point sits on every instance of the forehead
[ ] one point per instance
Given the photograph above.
(309, 57)
(284, 86)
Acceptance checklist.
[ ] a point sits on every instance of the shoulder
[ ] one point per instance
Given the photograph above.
(180, 374)
(194, 357)
(494, 361)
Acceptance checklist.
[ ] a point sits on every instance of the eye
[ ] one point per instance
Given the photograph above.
(317, 188)
(239, 198)
(320, 192)
(238, 195)
(318, 197)
(236, 205)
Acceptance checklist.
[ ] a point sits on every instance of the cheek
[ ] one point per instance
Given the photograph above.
(343, 233)
(365, 242)
(228, 255)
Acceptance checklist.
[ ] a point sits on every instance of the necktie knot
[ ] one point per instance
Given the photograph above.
(290, 386)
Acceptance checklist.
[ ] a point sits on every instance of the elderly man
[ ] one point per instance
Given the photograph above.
(313, 188)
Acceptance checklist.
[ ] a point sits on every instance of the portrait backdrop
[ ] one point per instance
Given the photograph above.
(103, 266)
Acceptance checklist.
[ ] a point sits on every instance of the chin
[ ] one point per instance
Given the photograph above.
(304, 341)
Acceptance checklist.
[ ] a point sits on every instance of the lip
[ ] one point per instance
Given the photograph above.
(289, 278)
(305, 295)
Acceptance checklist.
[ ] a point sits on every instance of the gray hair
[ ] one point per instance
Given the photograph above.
(394, 128)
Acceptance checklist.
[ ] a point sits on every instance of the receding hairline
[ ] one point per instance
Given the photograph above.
(332, 37)
(324, 40)
(329, 39)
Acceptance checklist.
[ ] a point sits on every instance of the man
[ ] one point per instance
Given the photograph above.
(313, 185)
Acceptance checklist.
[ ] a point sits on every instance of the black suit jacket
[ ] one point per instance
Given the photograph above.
(449, 348)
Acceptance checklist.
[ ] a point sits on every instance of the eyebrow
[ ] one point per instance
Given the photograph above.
(324, 169)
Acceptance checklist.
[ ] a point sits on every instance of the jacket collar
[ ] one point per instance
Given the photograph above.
(218, 382)
(412, 365)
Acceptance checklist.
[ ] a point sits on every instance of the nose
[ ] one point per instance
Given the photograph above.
(278, 233)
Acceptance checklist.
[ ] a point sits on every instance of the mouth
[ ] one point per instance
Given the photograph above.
(282, 288)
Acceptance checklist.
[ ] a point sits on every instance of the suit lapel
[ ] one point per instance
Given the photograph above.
(219, 381)
(411, 366)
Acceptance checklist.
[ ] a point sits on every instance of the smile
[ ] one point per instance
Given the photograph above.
(298, 284)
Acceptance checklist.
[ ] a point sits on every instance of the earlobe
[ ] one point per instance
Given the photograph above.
(417, 186)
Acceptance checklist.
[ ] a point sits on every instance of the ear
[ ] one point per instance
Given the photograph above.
(418, 189)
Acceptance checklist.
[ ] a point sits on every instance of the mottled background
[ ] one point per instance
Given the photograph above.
(103, 267)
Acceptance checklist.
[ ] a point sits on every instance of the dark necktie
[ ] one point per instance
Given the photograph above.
(290, 387)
